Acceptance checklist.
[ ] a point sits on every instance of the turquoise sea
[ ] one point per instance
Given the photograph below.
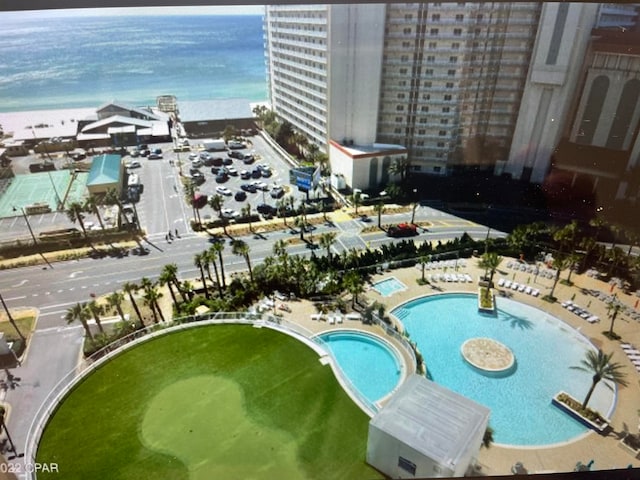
(73, 62)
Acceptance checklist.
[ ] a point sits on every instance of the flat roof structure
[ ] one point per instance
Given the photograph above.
(215, 110)
(104, 169)
(428, 426)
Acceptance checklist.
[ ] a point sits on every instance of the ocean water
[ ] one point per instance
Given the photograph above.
(79, 62)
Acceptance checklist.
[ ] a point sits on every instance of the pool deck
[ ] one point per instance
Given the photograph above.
(498, 459)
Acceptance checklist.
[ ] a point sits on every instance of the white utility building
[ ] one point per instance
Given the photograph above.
(426, 431)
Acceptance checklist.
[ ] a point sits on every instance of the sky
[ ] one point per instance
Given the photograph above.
(86, 12)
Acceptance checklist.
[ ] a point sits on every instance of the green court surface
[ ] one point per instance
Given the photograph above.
(43, 187)
(225, 401)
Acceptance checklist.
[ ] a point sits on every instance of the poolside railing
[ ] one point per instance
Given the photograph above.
(69, 381)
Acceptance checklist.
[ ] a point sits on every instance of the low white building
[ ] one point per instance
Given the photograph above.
(364, 167)
(426, 431)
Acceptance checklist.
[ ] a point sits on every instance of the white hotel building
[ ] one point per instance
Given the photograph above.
(451, 86)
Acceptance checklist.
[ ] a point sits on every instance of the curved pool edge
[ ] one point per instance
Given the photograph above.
(370, 407)
(577, 333)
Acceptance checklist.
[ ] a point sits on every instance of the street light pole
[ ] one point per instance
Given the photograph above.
(11, 320)
(26, 219)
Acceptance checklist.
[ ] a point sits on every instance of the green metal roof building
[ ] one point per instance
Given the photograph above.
(107, 172)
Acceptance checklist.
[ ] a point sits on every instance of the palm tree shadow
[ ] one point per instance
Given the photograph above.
(516, 322)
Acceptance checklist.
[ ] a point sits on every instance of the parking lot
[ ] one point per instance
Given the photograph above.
(260, 180)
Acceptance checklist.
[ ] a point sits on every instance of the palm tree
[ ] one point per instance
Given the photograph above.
(400, 167)
(91, 206)
(80, 313)
(187, 286)
(572, 259)
(246, 212)
(281, 206)
(96, 310)
(216, 202)
(423, 262)
(130, 288)
(198, 261)
(357, 200)
(600, 366)
(327, 239)
(560, 262)
(211, 259)
(151, 297)
(74, 212)
(112, 198)
(166, 278)
(241, 248)
(613, 308)
(379, 209)
(114, 300)
(487, 438)
(218, 247)
(490, 261)
(300, 223)
(354, 284)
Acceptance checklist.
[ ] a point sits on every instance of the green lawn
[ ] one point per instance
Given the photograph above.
(225, 401)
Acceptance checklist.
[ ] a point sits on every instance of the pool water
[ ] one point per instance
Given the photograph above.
(389, 286)
(544, 347)
(371, 366)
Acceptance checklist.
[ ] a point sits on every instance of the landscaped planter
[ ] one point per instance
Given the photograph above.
(597, 425)
(486, 303)
(628, 448)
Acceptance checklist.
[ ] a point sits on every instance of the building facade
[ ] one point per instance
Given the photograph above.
(492, 86)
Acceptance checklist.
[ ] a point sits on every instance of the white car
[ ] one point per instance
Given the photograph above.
(134, 164)
(232, 171)
(229, 213)
(193, 156)
(263, 186)
(223, 191)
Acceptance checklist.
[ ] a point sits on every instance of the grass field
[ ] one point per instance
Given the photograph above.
(225, 401)
(34, 188)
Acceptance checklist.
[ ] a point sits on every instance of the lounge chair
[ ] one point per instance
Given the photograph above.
(566, 303)
(522, 287)
(535, 292)
(353, 316)
(501, 282)
(515, 286)
(593, 319)
(507, 284)
(316, 316)
(338, 318)
(469, 278)
(331, 319)
(527, 290)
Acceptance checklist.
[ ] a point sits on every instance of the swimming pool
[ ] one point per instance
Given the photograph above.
(544, 348)
(370, 365)
(389, 286)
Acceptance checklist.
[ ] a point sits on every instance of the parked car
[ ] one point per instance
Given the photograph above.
(154, 156)
(222, 177)
(266, 172)
(204, 155)
(402, 230)
(217, 161)
(229, 213)
(248, 187)
(245, 174)
(197, 163)
(265, 209)
(262, 186)
(277, 192)
(208, 161)
(198, 178)
(235, 154)
(223, 191)
(240, 196)
(236, 145)
(193, 156)
(248, 159)
(256, 173)
(232, 171)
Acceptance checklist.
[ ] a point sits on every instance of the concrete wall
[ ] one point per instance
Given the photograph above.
(356, 39)
(563, 36)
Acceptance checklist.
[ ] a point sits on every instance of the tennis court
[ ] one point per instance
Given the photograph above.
(45, 187)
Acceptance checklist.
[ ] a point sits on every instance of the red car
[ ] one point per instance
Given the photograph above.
(402, 230)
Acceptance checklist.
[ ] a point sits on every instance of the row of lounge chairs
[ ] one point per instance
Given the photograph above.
(450, 277)
(633, 354)
(608, 298)
(528, 268)
(519, 287)
(581, 312)
(330, 318)
(461, 263)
